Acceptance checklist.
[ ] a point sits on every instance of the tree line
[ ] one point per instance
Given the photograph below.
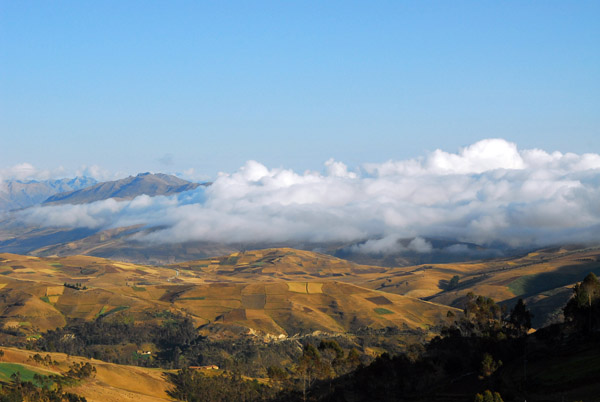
(481, 355)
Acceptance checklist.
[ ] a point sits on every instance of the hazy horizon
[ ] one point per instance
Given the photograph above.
(487, 193)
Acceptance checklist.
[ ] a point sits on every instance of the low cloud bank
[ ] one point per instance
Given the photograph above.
(490, 192)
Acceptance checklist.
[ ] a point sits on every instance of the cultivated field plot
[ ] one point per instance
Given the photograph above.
(283, 290)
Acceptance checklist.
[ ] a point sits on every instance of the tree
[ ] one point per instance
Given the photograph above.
(310, 367)
(482, 316)
(453, 282)
(353, 358)
(520, 318)
(488, 396)
(277, 375)
(192, 386)
(489, 365)
(332, 355)
(583, 309)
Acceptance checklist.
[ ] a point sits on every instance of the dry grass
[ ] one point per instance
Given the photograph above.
(298, 287)
(112, 382)
(282, 289)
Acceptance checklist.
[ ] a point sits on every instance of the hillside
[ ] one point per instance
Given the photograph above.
(124, 189)
(112, 382)
(118, 244)
(281, 291)
(33, 296)
(544, 279)
(248, 311)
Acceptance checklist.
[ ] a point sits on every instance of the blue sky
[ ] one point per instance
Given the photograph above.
(167, 86)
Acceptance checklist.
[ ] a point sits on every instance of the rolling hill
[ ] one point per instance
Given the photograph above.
(281, 291)
(276, 297)
(33, 295)
(118, 244)
(544, 279)
(112, 382)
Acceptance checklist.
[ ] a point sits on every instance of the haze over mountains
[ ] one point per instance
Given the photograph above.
(122, 242)
(125, 189)
(15, 237)
(15, 194)
(262, 259)
(487, 200)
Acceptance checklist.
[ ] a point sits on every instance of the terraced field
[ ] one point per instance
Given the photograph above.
(279, 291)
(275, 292)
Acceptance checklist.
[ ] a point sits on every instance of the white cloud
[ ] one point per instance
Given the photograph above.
(96, 172)
(486, 193)
(480, 157)
(339, 169)
(26, 171)
(420, 245)
(386, 245)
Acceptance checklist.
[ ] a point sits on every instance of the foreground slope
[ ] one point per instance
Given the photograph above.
(112, 382)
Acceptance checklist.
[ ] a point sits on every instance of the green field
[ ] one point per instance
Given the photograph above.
(7, 369)
(101, 312)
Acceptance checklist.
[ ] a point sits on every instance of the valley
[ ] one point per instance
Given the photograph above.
(270, 302)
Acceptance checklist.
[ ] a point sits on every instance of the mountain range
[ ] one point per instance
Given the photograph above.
(17, 236)
(124, 189)
(78, 289)
(16, 194)
(123, 242)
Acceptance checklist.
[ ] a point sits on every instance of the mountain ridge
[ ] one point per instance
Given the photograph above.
(17, 194)
(151, 184)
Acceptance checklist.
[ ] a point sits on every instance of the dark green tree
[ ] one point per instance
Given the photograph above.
(310, 368)
(453, 282)
(583, 309)
(488, 396)
(520, 318)
(489, 365)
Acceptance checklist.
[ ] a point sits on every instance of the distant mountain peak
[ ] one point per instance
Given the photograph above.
(152, 184)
